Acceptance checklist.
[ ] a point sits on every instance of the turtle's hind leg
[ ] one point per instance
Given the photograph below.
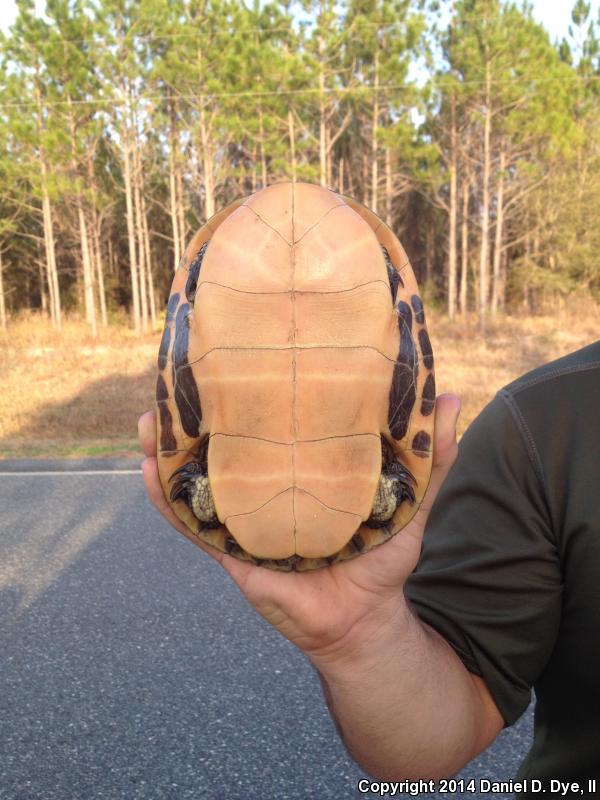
(191, 484)
(395, 486)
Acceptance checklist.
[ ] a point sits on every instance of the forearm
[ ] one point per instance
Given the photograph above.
(405, 705)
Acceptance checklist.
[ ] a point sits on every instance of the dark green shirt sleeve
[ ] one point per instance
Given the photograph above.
(489, 578)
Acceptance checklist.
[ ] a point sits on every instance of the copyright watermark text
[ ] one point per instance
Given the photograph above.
(482, 785)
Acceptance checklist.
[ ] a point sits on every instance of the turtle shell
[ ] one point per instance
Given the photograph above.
(295, 390)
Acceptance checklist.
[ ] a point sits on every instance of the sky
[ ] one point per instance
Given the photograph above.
(553, 14)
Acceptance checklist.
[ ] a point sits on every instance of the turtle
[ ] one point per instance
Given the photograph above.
(295, 390)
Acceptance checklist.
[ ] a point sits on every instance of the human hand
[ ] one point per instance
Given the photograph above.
(328, 611)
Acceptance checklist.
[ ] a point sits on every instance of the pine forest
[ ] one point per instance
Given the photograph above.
(125, 125)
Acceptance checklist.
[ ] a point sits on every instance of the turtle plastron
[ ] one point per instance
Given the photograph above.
(296, 390)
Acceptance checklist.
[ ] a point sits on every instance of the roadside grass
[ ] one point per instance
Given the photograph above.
(476, 367)
(68, 395)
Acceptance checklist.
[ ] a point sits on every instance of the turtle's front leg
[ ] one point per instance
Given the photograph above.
(191, 484)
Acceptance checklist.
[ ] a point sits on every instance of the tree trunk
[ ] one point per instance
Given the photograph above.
(534, 291)
(51, 269)
(135, 294)
(464, 250)
(139, 228)
(329, 159)
(452, 213)
(292, 136)
(86, 263)
(147, 252)
(352, 190)
(142, 267)
(151, 292)
(388, 186)
(96, 247)
(253, 179)
(2, 298)
(497, 293)
(111, 256)
(180, 206)
(485, 205)
(502, 280)
(177, 244)
(341, 176)
(322, 121)
(208, 166)
(43, 295)
(374, 126)
(263, 156)
(100, 272)
(428, 256)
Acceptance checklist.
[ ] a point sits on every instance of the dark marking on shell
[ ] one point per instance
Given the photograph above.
(428, 398)
(194, 273)
(393, 274)
(185, 392)
(188, 400)
(403, 392)
(172, 306)
(163, 350)
(405, 327)
(358, 542)
(167, 439)
(417, 305)
(426, 349)
(182, 336)
(421, 444)
(162, 393)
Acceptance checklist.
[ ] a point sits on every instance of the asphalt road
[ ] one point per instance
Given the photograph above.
(131, 667)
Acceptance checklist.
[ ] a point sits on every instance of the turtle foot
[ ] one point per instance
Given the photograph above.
(395, 486)
(190, 484)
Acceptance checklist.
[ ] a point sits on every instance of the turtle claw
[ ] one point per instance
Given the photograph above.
(404, 481)
(177, 492)
(185, 475)
(191, 468)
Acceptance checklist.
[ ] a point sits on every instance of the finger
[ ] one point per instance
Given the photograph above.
(147, 433)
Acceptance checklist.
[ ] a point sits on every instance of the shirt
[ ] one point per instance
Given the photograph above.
(510, 566)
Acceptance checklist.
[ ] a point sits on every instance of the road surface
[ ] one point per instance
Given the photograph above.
(131, 667)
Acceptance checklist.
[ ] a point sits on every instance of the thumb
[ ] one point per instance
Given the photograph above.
(445, 449)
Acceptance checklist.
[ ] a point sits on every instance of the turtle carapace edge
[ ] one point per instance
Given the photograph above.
(295, 387)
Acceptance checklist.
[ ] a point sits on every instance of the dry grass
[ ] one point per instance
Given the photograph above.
(68, 395)
(475, 367)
